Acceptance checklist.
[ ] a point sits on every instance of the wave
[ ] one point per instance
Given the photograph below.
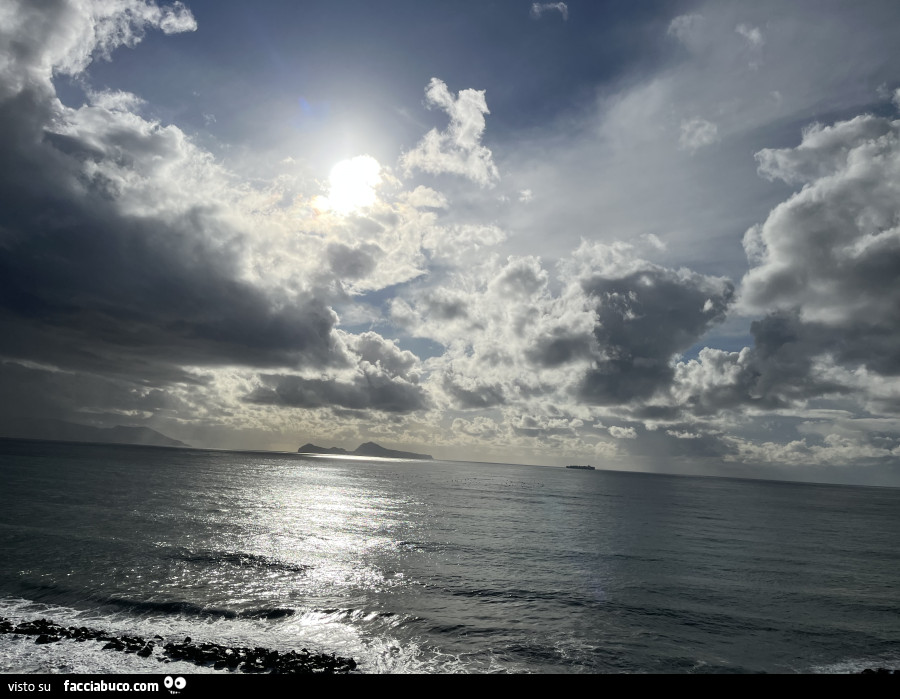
(241, 559)
(147, 607)
(369, 636)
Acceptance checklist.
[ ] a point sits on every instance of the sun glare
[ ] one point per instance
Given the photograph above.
(352, 185)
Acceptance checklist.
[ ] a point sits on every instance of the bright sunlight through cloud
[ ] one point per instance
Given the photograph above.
(352, 185)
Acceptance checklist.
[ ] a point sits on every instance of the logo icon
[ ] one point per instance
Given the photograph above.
(174, 684)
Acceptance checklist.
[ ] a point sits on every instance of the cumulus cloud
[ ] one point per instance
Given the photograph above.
(539, 8)
(384, 379)
(130, 258)
(65, 37)
(646, 314)
(623, 432)
(458, 149)
(822, 278)
(831, 253)
(141, 280)
(824, 267)
(607, 337)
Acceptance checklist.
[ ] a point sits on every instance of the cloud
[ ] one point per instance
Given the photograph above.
(127, 254)
(469, 393)
(544, 427)
(645, 314)
(461, 242)
(623, 432)
(425, 197)
(686, 28)
(752, 34)
(385, 379)
(602, 331)
(368, 390)
(831, 253)
(482, 429)
(822, 278)
(64, 37)
(457, 150)
(142, 280)
(824, 266)
(697, 133)
(539, 8)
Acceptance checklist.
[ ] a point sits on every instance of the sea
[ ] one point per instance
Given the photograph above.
(442, 567)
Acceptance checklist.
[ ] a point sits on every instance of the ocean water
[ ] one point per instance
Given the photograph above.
(412, 566)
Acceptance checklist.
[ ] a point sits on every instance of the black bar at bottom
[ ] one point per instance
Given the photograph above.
(173, 684)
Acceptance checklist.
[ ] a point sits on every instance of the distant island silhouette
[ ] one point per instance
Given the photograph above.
(365, 449)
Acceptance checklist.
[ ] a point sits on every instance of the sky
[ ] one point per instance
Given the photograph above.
(658, 236)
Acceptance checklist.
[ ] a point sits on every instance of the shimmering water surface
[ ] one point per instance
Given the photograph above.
(413, 566)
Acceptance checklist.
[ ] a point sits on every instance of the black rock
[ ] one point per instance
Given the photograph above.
(256, 660)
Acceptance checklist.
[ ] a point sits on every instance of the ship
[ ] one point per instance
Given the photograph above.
(584, 468)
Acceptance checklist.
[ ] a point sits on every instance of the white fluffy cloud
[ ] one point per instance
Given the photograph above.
(623, 432)
(601, 329)
(75, 32)
(832, 251)
(823, 276)
(458, 149)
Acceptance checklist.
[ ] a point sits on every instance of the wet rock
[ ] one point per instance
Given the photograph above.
(251, 660)
(879, 671)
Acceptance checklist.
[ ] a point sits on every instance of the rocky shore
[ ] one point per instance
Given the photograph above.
(879, 671)
(232, 658)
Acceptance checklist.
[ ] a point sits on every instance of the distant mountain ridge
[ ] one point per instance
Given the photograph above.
(62, 431)
(365, 449)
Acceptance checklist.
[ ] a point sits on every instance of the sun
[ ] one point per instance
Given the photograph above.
(352, 185)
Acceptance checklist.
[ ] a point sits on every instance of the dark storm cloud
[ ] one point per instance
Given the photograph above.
(121, 288)
(84, 283)
(643, 320)
(35, 392)
(366, 391)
